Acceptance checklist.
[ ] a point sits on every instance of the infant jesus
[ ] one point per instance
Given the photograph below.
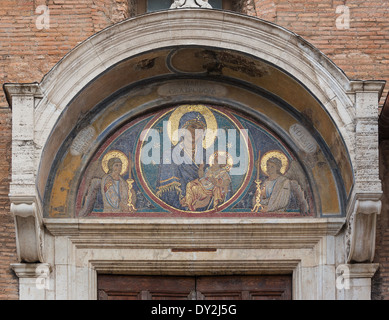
(213, 183)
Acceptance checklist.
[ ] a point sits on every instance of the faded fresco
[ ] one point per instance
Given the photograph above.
(194, 161)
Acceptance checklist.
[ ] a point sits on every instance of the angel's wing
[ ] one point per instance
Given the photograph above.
(90, 197)
(299, 185)
(93, 178)
(296, 173)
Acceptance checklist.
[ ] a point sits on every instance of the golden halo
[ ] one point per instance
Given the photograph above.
(175, 117)
(230, 161)
(274, 154)
(115, 154)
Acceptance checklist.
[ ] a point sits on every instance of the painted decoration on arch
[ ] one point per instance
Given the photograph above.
(194, 161)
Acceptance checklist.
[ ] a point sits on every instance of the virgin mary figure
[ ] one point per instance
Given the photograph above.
(174, 176)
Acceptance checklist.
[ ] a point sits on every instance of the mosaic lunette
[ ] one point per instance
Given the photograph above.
(252, 174)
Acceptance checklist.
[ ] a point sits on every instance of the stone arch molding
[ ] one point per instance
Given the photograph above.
(38, 109)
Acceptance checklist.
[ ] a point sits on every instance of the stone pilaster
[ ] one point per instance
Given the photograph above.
(365, 203)
(25, 203)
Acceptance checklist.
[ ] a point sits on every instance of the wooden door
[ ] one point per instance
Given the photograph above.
(120, 287)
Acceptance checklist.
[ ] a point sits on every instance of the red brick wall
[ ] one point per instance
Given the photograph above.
(362, 51)
(380, 281)
(8, 281)
(27, 54)
(264, 9)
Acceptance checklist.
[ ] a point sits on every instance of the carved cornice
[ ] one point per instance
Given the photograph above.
(223, 233)
(365, 270)
(21, 89)
(203, 267)
(31, 270)
(367, 86)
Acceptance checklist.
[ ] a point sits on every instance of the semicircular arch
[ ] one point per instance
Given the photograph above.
(225, 47)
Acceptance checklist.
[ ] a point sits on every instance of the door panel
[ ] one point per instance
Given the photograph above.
(245, 287)
(117, 287)
(114, 287)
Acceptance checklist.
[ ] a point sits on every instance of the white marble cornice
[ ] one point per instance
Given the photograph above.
(207, 233)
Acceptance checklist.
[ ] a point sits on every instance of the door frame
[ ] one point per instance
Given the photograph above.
(85, 248)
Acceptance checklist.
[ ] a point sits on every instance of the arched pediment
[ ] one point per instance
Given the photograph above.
(233, 81)
(264, 56)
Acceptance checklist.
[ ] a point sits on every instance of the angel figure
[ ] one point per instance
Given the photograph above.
(114, 188)
(117, 194)
(280, 191)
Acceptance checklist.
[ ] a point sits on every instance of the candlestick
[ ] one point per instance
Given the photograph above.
(257, 204)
